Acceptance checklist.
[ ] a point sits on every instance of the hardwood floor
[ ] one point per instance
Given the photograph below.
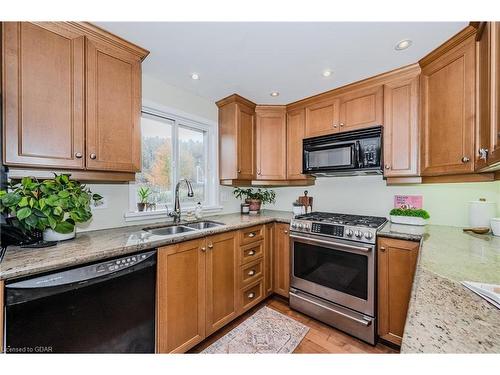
(321, 338)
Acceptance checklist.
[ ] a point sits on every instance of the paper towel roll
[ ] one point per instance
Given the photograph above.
(481, 212)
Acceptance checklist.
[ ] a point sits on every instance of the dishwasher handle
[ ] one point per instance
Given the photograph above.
(76, 278)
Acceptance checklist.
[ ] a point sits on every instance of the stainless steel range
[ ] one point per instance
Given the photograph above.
(333, 261)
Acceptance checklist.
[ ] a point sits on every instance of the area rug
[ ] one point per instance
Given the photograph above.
(267, 331)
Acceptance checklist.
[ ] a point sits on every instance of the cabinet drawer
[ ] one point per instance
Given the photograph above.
(252, 295)
(252, 234)
(251, 272)
(251, 252)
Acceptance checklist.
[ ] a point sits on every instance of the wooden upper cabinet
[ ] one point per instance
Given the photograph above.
(236, 138)
(397, 260)
(113, 108)
(401, 128)
(295, 128)
(322, 118)
(221, 282)
(282, 260)
(447, 111)
(43, 101)
(487, 155)
(180, 296)
(271, 142)
(361, 109)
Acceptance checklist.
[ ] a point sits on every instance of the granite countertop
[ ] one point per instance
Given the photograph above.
(443, 315)
(108, 243)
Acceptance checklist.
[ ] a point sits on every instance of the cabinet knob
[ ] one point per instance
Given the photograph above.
(78, 155)
(382, 248)
(210, 245)
(239, 171)
(93, 156)
(335, 126)
(387, 166)
(342, 124)
(251, 295)
(251, 235)
(251, 253)
(203, 249)
(251, 272)
(465, 159)
(286, 232)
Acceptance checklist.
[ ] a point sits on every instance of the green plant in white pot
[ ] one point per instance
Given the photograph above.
(52, 206)
(410, 216)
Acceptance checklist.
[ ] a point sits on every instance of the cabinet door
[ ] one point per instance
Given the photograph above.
(246, 142)
(322, 118)
(282, 260)
(228, 142)
(43, 101)
(447, 95)
(396, 267)
(401, 128)
(268, 258)
(181, 296)
(295, 126)
(361, 109)
(271, 142)
(1, 316)
(113, 108)
(221, 280)
(488, 116)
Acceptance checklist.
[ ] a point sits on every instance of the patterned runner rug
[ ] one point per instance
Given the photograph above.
(267, 331)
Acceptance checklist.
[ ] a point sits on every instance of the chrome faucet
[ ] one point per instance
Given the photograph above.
(176, 213)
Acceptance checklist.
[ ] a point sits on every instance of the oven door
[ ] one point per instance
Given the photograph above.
(330, 156)
(339, 271)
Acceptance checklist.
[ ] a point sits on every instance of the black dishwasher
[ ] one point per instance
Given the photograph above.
(107, 307)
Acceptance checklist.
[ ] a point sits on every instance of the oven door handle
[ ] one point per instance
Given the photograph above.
(366, 323)
(332, 244)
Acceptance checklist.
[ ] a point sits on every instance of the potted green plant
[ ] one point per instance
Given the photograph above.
(144, 193)
(52, 206)
(411, 216)
(255, 198)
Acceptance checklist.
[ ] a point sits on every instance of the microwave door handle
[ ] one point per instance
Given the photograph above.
(359, 162)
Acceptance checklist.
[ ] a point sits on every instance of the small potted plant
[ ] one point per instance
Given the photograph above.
(411, 216)
(52, 206)
(144, 193)
(255, 198)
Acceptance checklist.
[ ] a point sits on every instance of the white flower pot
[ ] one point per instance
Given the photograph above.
(52, 235)
(408, 220)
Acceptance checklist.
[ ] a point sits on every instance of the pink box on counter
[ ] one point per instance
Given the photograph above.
(408, 201)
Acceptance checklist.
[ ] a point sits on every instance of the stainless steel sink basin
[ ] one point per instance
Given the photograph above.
(204, 224)
(169, 230)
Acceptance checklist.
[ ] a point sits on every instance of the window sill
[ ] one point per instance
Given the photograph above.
(163, 214)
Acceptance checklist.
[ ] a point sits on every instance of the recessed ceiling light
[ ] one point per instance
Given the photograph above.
(327, 73)
(275, 93)
(195, 76)
(404, 44)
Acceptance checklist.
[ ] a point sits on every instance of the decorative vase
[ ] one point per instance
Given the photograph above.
(52, 235)
(254, 204)
(141, 206)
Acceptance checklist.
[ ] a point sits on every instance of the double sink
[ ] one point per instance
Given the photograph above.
(170, 230)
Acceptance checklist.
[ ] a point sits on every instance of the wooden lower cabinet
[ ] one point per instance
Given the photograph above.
(268, 258)
(1, 316)
(397, 260)
(282, 260)
(221, 280)
(181, 307)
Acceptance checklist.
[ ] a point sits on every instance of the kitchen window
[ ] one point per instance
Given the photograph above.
(175, 147)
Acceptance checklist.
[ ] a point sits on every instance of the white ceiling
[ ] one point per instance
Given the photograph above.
(256, 58)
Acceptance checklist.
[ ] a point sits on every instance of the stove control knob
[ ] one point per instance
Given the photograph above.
(368, 235)
(300, 226)
(358, 234)
(294, 225)
(349, 232)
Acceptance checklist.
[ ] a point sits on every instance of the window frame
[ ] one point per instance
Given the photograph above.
(185, 120)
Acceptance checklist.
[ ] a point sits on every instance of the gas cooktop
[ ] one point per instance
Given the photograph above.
(344, 219)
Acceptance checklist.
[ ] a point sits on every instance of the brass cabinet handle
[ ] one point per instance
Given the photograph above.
(251, 272)
(251, 235)
(78, 155)
(210, 245)
(93, 156)
(251, 252)
(465, 159)
(251, 295)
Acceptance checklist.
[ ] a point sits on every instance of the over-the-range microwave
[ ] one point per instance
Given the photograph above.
(357, 152)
